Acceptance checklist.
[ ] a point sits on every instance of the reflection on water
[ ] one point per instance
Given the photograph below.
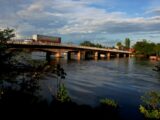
(124, 80)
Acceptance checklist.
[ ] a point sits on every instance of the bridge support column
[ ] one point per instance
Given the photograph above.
(96, 55)
(79, 55)
(108, 55)
(69, 56)
(117, 55)
(124, 55)
(58, 55)
(48, 58)
(83, 55)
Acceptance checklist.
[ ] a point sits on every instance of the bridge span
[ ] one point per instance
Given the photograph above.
(83, 52)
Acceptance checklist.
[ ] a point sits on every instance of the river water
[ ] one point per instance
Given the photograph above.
(121, 79)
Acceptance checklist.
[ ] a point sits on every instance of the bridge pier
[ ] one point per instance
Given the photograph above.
(69, 56)
(58, 55)
(108, 55)
(48, 58)
(117, 55)
(81, 55)
(96, 55)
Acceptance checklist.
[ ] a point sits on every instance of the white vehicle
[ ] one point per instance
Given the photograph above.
(27, 41)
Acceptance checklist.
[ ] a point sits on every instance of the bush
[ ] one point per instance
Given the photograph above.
(62, 94)
(152, 114)
(109, 102)
(151, 105)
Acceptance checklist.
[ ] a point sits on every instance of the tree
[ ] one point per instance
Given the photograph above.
(157, 49)
(90, 44)
(145, 48)
(151, 105)
(127, 43)
(119, 45)
(5, 35)
(87, 43)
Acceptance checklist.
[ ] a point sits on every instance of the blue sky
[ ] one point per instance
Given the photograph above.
(100, 21)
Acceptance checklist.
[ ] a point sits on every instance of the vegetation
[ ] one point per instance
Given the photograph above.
(109, 102)
(157, 49)
(90, 44)
(127, 43)
(5, 35)
(146, 48)
(151, 105)
(62, 94)
(119, 45)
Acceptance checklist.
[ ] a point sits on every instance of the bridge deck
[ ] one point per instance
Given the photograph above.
(61, 46)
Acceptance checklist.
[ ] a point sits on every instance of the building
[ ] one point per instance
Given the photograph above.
(46, 39)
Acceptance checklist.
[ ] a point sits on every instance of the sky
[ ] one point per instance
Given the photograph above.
(100, 21)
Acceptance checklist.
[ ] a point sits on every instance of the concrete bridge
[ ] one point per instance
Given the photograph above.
(82, 52)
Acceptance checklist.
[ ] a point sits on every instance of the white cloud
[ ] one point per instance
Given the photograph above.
(153, 11)
(67, 17)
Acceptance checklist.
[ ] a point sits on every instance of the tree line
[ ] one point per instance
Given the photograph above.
(90, 44)
(146, 48)
(119, 45)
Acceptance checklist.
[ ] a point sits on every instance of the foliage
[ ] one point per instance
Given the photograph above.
(90, 44)
(151, 105)
(146, 48)
(127, 43)
(62, 94)
(157, 49)
(119, 45)
(152, 114)
(5, 35)
(109, 102)
(151, 99)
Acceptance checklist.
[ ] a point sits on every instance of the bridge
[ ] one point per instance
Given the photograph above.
(82, 52)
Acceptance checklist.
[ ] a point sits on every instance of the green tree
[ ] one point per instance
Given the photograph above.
(151, 105)
(109, 102)
(119, 45)
(127, 43)
(157, 49)
(87, 43)
(5, 35)
(62, 94)
(90, 44)
(145, 48)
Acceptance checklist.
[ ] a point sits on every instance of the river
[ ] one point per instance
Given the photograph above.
(121, 79)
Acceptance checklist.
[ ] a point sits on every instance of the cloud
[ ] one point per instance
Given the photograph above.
(78, 19)
(155, 11)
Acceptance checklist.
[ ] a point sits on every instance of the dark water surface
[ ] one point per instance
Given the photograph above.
(123, 79)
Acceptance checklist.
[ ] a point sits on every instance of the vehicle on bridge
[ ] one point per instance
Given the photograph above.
(46, 39)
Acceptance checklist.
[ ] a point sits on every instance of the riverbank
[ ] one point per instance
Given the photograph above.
(23, 105)
(157, 58)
